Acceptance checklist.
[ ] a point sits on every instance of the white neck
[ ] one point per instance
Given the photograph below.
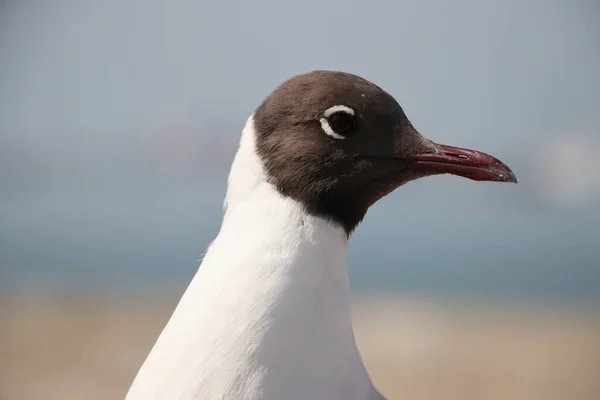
(267, 315)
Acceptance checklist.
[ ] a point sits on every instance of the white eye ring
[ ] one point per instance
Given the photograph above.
(325, 123)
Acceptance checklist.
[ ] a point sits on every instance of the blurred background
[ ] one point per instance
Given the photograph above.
(119, 120)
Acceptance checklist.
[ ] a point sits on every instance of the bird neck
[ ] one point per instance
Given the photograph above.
(268, 312)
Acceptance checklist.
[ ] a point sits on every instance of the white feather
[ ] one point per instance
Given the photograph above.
(267, 315)
(329, 112)
(335, 109)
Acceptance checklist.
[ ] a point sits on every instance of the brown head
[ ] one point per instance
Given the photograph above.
(337, 143)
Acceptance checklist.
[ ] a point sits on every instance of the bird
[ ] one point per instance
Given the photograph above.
(267, 314)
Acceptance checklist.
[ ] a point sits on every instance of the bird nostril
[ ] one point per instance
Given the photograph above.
(458, 155)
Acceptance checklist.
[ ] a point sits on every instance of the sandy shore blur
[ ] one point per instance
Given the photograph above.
(90, 347)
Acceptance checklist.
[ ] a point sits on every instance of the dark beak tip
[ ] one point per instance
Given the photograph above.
(510, 178)
(505, 174)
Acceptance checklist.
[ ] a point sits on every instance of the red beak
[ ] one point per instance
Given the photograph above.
(467, 163)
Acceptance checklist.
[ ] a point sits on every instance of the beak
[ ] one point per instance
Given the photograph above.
(467, 163)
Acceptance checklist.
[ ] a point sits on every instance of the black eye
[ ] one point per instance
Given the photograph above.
(341, 122)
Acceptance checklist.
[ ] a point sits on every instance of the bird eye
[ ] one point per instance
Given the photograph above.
(338, 121)
(341, 123)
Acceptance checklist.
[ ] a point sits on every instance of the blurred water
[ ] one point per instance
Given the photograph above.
(452, 245)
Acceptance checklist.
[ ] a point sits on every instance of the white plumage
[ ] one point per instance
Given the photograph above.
(267, 315)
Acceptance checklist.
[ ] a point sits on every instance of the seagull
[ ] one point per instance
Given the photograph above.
(267, 314)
